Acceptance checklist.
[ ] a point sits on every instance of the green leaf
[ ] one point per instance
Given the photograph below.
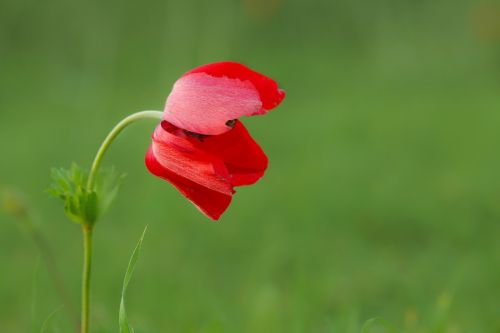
(377, 321)
(108, 182)
(69, 185)
(91, 206)
(125, 327)
(80, 204)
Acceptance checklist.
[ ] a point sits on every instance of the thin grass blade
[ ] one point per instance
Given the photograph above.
(125, 327)
(47, 320)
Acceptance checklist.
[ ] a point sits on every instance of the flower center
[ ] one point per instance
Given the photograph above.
(230, 123)
(196, 135)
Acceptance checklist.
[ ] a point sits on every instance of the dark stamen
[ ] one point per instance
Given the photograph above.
(196, 135)
(231, 123)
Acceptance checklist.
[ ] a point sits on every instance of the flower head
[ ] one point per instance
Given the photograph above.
(201, 147)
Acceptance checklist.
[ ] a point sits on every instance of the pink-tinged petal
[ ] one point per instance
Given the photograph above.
(211, 203)
(203, 104)
(243, 158)
(205, 98)
(270, 94)
(177, 154)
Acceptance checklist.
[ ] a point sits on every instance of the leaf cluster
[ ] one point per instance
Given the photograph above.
(83, 205)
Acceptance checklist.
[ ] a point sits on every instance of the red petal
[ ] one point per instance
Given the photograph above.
(177, 154)
(244, 159)
(210, 202)
(270, 95)
(205, 168)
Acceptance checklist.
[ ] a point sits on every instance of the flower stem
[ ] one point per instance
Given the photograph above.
(87, 264)
(112, 136)
(88, 228)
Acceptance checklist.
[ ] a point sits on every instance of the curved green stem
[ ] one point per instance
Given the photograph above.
(88, 227)
(112, 136)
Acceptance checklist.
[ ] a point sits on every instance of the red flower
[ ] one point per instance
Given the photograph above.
(201, 147)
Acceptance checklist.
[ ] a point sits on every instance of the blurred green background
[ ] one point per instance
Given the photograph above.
(383, 192)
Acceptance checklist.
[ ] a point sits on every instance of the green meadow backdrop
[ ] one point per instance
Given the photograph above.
(382, 198)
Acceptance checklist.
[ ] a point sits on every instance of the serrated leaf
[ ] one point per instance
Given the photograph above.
(80, 204)
(69, 186)
(123, 322)
(107, 186)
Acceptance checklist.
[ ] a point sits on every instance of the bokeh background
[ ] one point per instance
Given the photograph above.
(383, 194)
